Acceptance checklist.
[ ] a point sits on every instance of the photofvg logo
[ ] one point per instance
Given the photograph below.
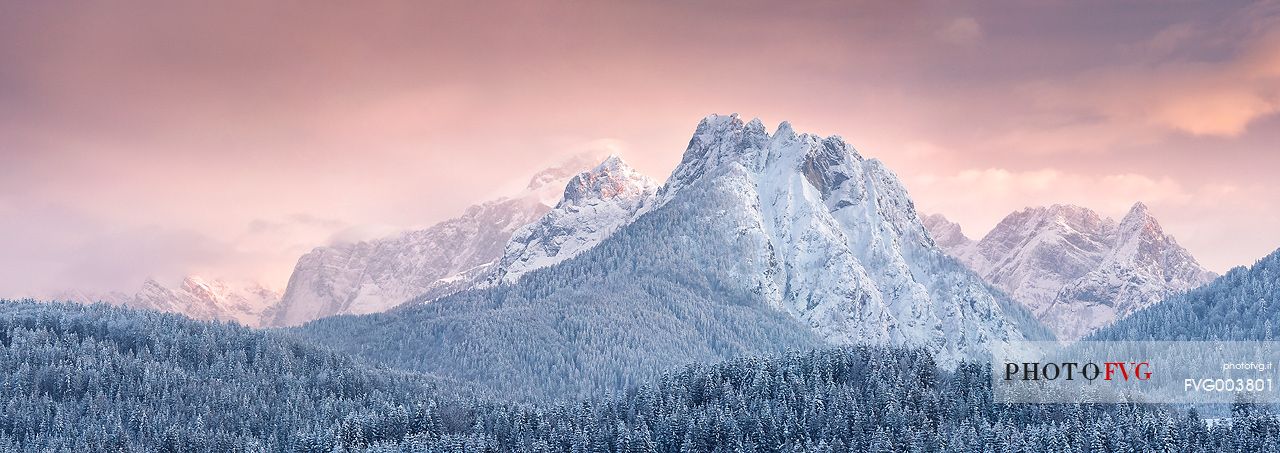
(1089, 371)
(1174, 372)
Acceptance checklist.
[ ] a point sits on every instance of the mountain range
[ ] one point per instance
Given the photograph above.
(195, 296)
(826, 236)
(757, 243)
(1076, 270)
(610, 298)
(375, 275)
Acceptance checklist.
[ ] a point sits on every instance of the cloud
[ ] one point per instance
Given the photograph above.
(961, 30)
(276, 243)
(214, 122)
(49, 247)
(292, 222)
(360, 233)
(120, 259)
(1222, 110)
(985, 195)
(1174, 86)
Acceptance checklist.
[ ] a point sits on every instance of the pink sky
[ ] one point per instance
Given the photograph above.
(226, 139)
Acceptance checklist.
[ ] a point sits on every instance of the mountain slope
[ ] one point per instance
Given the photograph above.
(595, 204)
(945, 233)
(100, 378)
(610, 317)
(841, 246)
(858, 399)
(1074, 269)
(756, 244)
(372, 276)
(1242, 305)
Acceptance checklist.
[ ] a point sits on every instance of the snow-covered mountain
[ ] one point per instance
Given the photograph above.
(195, 297)
(836, 240)
(594, 205)
(117, 298)
(1076, 270)
(757, 243)
(373, 276)
(1239, 306)
(945, 233)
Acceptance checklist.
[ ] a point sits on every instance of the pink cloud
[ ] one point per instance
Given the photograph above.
(1180, 93)
(203, 119)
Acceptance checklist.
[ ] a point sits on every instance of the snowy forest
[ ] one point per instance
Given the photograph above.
(662, 292)
(99, 378)
(1241, 305)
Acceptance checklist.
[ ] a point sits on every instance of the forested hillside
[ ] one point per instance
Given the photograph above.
(1242, 305)
(742, 254)
(647, 299)
(97, 378)
(866, 399)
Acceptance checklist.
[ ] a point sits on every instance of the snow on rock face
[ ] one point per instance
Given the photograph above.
(194, 297)
(838, 243)
(1144, 266)
(1076, 270)
(945, 233)
(373, 276)
(595, 204)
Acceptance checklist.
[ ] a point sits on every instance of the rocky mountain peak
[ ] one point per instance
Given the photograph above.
(596, 203)
(555, 175)
(837, 240)
(945, 233)
(611, 178)
(376, 275)
(1077, 270)
(1140, 221)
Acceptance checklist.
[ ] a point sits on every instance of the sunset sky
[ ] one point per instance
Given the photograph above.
(226, 139)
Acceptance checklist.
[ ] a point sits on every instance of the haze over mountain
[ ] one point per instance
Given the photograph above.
(728, 288)
(757, 243)
(263, 139)
(375, 275)
(1077, 271)
(195, 296)
(594, 205)
(372, 276)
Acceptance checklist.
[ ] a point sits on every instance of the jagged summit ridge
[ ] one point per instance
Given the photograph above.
(194, 296)
(1075, 269)
(595, 204)
(945, 233)
(757, 242)
(836, 239)
(373, 276)
(721, 141)
(610, 179)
